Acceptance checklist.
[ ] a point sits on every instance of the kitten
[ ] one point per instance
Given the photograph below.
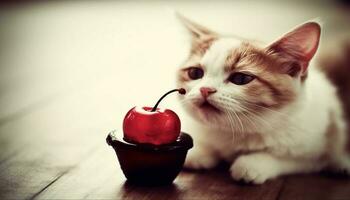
(261, 107)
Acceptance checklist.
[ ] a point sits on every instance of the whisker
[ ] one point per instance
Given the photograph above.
(231, 123)
(250, 121)
(240, 121)
(248, 111)
(255, 115)
(269, 109)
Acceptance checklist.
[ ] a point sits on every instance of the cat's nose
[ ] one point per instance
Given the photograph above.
(206, 91)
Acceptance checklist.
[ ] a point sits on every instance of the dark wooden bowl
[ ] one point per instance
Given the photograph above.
(148, 164)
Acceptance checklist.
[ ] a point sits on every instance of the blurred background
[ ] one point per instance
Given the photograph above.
(70, 70)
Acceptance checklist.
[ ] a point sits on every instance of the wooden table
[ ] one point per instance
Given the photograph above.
(69, 72)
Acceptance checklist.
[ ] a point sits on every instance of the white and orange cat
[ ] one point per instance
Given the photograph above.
(262, 108)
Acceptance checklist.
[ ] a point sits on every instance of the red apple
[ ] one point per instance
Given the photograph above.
(152, 125)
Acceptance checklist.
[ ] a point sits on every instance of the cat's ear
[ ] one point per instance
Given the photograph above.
(197, 31)
(298, 45)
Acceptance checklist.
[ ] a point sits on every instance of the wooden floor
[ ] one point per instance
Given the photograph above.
(70, 71)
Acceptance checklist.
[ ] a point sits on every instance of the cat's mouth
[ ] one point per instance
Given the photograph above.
(208, 107)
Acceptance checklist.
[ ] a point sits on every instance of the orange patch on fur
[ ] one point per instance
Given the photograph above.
(200, 46)
(272, 85)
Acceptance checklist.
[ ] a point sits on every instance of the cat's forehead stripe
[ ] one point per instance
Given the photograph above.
(245, 50)
(219, 51)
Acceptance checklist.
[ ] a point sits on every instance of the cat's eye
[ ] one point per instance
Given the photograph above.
(195, 73)
(239, 78)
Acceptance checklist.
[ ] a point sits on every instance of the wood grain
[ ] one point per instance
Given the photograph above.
(57, 141)
(100, 177)
(319, 186)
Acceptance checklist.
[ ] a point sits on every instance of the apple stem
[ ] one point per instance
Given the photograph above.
(180, 90)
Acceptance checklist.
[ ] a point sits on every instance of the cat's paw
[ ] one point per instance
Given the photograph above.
(252, 169)
(200, 159)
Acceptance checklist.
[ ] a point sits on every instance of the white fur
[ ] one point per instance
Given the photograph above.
(290, 140)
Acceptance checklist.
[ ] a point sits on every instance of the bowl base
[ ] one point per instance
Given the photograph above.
(149, 164)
